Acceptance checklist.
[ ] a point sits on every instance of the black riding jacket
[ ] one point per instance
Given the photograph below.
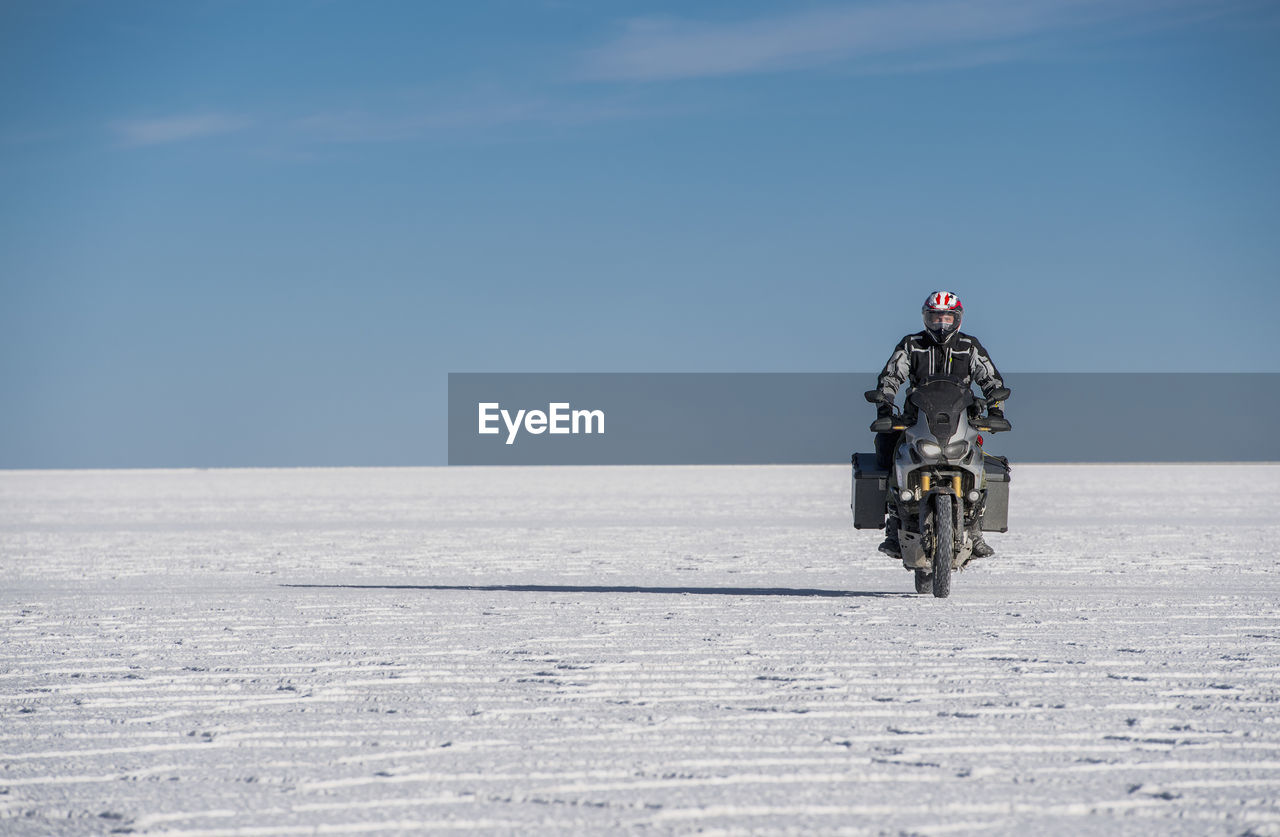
(917, 358)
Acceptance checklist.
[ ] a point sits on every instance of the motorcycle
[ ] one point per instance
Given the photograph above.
(941, 481)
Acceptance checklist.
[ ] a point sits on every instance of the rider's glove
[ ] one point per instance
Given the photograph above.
(995, 412)
(884, 410)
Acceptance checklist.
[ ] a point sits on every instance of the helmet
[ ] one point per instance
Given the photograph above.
(942, 313)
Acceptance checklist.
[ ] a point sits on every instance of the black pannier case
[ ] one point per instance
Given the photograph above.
(871, 485)
(996, 517)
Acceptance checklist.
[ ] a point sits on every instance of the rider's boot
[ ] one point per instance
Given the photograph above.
(981, 549)
(890, 546)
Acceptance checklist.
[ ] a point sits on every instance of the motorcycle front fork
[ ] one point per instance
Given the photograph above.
(925, 514)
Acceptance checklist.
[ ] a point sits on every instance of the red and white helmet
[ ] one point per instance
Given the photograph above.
(942, 312)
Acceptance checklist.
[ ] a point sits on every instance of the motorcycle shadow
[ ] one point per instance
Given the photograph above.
(801, 592)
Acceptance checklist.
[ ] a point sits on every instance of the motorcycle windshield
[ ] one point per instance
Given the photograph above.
(942, 402)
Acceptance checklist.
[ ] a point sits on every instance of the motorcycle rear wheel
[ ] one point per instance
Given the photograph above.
(942, 545)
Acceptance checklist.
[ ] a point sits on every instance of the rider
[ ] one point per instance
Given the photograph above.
(941, 349)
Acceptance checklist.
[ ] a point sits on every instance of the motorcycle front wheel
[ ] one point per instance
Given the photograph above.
(942, 545)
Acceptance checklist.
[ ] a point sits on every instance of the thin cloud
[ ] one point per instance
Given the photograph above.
(442, 121)
(362, 126)
(653, 50)
(143, 132)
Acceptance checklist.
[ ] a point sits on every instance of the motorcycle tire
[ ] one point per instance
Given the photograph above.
(924, 581)
(942, 545)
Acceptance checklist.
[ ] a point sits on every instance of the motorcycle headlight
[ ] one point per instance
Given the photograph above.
(955, 450)
(930, 449)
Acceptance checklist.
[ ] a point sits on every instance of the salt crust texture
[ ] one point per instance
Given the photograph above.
(657, 650)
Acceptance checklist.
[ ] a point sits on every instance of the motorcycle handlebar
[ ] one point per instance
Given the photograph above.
(986, 424)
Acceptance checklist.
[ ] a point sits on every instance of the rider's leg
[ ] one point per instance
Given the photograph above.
(891, 547)
(981, 549)
(886, 444)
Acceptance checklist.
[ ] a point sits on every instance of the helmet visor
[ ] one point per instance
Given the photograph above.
(941, 322)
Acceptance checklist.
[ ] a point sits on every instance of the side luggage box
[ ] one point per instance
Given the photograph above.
(996, 517)
(870, 485)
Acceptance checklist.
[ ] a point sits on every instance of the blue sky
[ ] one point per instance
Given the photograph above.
(263, 233)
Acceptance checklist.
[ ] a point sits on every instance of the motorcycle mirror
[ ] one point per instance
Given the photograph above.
(1000, 394)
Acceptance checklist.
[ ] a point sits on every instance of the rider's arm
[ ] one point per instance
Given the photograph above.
(896, 371)
(983, 371)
